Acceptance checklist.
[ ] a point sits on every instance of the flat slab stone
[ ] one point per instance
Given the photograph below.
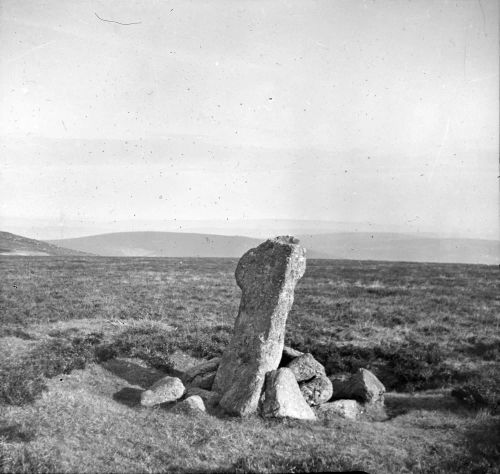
(267, 276)
(200, 369)
(205, 381)
(282, 397)
(202, 375)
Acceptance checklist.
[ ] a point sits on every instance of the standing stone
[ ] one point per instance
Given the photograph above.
(267, 276)
(282, 397)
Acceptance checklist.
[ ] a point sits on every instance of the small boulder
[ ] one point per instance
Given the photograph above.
(305, 367)
(282, 397)
(349, 409)
(193, 404)
(363, 386)
(316, 391)
(211, 399)
(167, 389)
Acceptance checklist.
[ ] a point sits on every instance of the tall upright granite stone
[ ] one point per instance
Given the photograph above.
(267, 276)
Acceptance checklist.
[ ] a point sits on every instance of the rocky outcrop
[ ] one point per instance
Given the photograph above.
(167, 389)
(267, 276)
(282, 397)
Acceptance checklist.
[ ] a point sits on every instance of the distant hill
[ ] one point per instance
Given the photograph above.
(12, 244)
(160, 244)
(352, 245)
(403, 247)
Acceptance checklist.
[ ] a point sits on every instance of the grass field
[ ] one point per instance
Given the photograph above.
(81, 336)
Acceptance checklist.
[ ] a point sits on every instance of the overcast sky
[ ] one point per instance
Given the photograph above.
(383, 112)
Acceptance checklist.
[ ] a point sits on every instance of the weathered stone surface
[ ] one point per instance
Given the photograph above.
(193, 404)
(200, 370)
(201, 375)
(305, 367)
(362, 386)
(209, 398)
(267, 276)
(288, 355)
(204, 381)
(282, 397)
(167, 389)
(316, 391)
(350, 409)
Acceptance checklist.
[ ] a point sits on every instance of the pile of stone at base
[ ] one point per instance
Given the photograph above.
(256, 373)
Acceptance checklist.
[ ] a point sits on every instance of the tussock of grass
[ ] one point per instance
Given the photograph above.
(155, 347)
(20, 454)
(481, 448)
(481, 390)
(316, 459)
(16, 332)
(409, 366)
(25, 459)
(23, 380)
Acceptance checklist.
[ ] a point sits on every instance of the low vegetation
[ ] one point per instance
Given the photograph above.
(429, 332)
(23, 379)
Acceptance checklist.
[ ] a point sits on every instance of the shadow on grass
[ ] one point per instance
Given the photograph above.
(480, 448)
(128, 396)
(398, 404)
(131, 397)
(16, 434)
(134, 374)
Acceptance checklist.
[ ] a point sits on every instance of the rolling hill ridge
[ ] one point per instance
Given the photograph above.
(348, 245)
(12, 244)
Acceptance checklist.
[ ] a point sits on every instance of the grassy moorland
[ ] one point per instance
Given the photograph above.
(81, 336)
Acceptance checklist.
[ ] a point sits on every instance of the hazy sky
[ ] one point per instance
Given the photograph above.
(365, 111)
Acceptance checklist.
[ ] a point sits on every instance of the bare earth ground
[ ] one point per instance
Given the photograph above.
(81, 337)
